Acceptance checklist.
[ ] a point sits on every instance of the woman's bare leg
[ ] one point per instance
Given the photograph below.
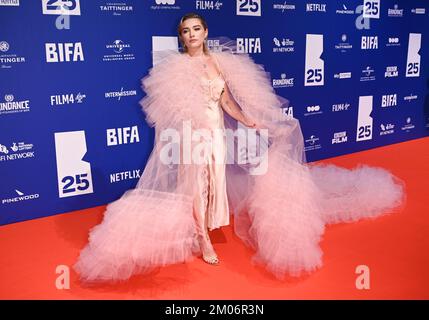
(201, 204)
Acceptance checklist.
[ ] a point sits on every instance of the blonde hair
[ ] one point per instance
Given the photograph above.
(187, 16)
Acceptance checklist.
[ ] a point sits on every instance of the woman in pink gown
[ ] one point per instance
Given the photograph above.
(223, 146)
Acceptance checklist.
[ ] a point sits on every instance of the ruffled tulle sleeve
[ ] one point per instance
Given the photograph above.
(173, 92)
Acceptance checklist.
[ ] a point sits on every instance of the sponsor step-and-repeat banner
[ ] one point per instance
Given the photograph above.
(72, 133)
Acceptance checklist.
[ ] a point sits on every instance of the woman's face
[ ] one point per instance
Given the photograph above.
(193, 33)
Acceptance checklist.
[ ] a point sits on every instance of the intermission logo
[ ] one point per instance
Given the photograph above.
(7, 59)
(344, 45)
(120, 94)
(315, 7)
(391, 72)
(68, 98)
(395, 12)
(11, 106)
(64, 52)
(126, 135)
(18, 150)
(386, 129)
(116, 8)
(164, 5)
(283, 82)
(410, 97)
(339, 137)
(248, 8)
(312, 143)
(286, 5)
(367, 74)
(285, 45)
(61, 7)
(344, 10)
(9, 3)
(313, 110)
(208, 5)
(249, 45)
(20, 196)
(121, 52)
(340, 107)
(124, 175)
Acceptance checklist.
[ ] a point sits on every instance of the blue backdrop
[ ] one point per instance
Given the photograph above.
(72, 132)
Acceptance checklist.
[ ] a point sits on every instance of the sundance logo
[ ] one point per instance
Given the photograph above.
(283, 82)
(11, 106)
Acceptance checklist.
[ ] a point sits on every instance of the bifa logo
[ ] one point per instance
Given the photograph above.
(413, 55)
(314, 64)
(249, 45)
(371, 9)
(249, 8)
(74, 173)
(61, 7)
(364, 124)
(369, 42)
(125, 135)
(389, 100)
(286, 112)
(64, 52)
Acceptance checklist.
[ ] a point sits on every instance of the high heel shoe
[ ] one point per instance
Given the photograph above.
(210, 258)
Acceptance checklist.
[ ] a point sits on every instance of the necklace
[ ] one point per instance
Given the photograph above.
(202, 59)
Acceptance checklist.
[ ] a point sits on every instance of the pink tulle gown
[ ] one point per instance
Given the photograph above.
(280, 208)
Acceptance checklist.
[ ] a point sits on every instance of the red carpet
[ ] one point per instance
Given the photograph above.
(394, 247)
